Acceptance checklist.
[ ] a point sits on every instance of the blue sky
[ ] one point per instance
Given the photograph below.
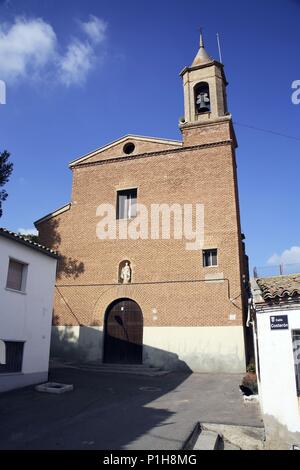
(83, 73)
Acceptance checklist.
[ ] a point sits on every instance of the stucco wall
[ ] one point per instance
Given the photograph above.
(278, 394)
(200, 349)
(27, 316)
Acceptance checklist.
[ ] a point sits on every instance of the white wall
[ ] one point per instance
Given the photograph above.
(200, 349)
(278, 393)
(27, 317)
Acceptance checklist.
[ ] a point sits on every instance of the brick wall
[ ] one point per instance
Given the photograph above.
(199, 174)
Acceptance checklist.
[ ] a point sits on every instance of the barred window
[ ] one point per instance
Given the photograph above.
(11, 359)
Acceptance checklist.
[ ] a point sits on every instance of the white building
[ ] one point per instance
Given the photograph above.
(27, 278)
(276, 321)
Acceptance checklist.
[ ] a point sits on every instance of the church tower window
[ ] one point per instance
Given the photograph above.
(202, 98)
(129, 148)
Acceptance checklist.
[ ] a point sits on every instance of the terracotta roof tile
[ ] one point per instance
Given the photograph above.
(279, 287)
(18, 238)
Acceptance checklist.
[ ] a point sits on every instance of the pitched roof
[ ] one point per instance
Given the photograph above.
(279, 287)
(202, 56)
(19, 239)
(176, 143)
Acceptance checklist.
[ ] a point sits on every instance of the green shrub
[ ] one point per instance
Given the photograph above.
(251, 367)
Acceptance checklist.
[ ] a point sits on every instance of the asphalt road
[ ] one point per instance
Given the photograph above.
(119, 411)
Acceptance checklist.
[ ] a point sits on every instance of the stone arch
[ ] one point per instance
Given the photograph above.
(112, 293)
(202, 105)
(123, 332)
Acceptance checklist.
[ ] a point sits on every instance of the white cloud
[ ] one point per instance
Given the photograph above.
(76, 64)
(27, 231)
(95, 29)
(25, 47)
(29, 48)
(290, 256)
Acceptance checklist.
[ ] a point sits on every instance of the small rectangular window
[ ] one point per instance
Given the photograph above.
(12, 357)
(210, 258)
(126, 203)
(16, 275)
(296, 350)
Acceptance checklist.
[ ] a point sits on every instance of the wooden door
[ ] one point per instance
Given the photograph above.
(123, 343)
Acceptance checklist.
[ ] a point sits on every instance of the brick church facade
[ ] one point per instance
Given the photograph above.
(177, 308)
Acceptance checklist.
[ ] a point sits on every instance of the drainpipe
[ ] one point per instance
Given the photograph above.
(252, 321)
(250, 306)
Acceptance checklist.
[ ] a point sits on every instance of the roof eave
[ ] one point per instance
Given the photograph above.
(29, 244)
(191, 68)
(59, 211)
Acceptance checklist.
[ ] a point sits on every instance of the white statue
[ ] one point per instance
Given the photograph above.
(126, 273)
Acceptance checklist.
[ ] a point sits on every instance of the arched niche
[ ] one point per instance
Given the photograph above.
(202, 98)
(125, 269)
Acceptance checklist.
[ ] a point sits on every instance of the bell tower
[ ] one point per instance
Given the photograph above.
(205, 99)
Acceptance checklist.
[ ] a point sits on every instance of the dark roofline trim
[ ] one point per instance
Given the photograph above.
(191, 68)
(35, 246)
(58, 211)
(154, 154)
(271, 305)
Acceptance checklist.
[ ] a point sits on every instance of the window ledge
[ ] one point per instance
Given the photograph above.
(126, 220)
(15, 291)
(202, 114)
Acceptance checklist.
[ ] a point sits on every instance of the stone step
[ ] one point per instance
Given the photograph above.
(211, 436)
(118, 366)
(229, 446)
(121, 369)
(241, 437)
(126, 371)
(207, 440)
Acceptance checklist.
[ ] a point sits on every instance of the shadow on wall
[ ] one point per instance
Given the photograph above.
(85, 344)
(67, 267)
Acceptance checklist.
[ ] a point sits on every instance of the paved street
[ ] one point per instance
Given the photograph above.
(119, 411)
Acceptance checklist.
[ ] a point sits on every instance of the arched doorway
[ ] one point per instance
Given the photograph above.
(123, 341)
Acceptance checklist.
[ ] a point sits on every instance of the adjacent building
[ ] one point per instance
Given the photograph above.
(276, 325)
(150, 297)
(27, 278)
